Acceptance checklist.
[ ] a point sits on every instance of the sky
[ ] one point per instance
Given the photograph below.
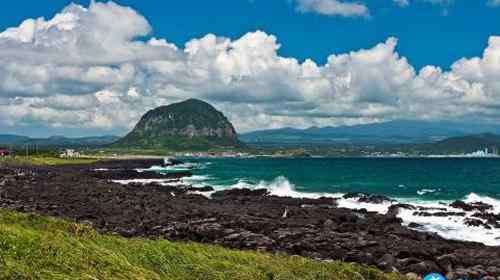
(93, 68)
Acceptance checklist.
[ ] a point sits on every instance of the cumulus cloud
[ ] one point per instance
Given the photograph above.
(85, 70)
(402, 3)
(333, 8)
(493, 3)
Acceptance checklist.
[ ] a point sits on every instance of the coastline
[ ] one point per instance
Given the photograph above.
(242, 219)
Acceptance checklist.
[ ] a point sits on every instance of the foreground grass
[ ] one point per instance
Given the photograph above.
(35, 247)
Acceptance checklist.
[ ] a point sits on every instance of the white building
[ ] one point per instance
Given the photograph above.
(70, 153)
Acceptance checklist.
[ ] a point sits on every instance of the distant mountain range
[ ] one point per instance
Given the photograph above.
(465, 144)
(195, 124)
(56, 141)
(393, 132)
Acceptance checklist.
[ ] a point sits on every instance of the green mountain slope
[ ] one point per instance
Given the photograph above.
(57, 141)
(191, 124)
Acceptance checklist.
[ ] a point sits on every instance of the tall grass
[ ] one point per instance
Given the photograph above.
(35, 247)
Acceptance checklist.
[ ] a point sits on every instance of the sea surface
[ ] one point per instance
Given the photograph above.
(419, 181)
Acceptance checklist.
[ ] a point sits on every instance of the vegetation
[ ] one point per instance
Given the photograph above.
(45, 160)
(35, 247)
(188, 125)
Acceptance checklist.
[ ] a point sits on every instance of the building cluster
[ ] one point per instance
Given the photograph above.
(226, 154)
(70, 153)
(5, 152)
(484, 153)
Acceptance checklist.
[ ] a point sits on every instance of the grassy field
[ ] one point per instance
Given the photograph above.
(45, 160)
(35, 247)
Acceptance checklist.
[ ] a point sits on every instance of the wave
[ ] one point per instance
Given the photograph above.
(280, 186)
(452, 227)
(187, 166)
(426, 191)
(472, 198)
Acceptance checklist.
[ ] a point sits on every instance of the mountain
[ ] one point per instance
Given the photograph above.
(468, 143)
(8, 139)
(187, 125)
(57, 141)
(393, 132)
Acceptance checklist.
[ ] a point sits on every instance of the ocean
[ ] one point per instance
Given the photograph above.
(430, 182)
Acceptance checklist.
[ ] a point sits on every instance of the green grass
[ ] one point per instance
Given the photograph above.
(45, 160)
(35, 247)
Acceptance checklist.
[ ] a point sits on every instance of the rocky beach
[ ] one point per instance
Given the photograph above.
(247, 219)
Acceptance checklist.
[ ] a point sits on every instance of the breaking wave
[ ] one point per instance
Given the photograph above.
(450, 227)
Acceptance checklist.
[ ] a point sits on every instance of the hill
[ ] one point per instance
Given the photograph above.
(393, 132)
(187, 125)
(466, 144)
(8, 139)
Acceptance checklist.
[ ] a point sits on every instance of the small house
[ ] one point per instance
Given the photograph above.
(69, 153)
(4, 152)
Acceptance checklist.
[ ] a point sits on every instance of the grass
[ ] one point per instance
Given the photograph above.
(36, 247)
(45, 160)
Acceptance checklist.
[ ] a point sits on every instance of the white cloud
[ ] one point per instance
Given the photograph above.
(85, 70)
(333, 8)
(493, 3)
(402, 3)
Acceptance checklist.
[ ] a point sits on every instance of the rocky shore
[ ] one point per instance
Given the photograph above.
(246, 219)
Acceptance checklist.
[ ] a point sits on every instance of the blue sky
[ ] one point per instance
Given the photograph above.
(95, 67)
(426, 35)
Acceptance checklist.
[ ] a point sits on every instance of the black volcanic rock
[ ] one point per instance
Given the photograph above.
(476, 206)
(368, 198)
(244, 219)
(191, 124)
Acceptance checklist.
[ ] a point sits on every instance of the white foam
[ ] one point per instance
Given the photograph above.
(178, 167)
(472, 197)
(426, 191)
(280, 186)
(147, 181)
(352, 203)
(452, 227)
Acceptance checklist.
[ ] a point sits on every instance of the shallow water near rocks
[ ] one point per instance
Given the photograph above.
(418, 181)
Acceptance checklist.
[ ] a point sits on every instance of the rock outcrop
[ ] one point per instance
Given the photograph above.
(191, 124)
(243, 219)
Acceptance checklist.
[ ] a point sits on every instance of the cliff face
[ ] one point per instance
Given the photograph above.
(191, 124)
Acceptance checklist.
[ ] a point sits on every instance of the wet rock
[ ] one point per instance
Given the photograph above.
(491, 219)
(476, 206)
(438, 214)
(395, 208)
(424, 268)
(414, 225)
(368, 198)
(201, 189)
(475, 223)
(244, 219)
(240, 192)
(387, 263)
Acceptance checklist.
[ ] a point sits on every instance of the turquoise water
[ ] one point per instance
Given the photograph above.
(426, 182)
(419, 178)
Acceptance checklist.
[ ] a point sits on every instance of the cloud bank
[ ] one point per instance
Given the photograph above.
(333, 8)
(84, 69)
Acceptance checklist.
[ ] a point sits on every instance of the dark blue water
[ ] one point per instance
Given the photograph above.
(423, 178)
